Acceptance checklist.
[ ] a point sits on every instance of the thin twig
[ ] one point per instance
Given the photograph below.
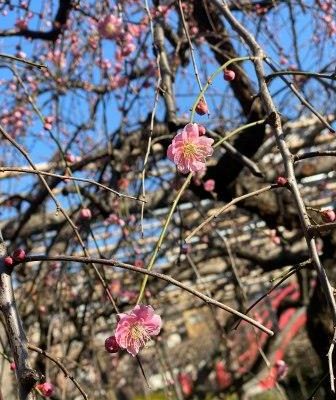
(226, 207)
(61, 209)
(162, 235)
(61, 366)
(169, 279)
(319, 153)
(300, 97)
(65, 177)
(282, 280)
(331, 76)
(193, 60)
(151, 129)
(22, 60)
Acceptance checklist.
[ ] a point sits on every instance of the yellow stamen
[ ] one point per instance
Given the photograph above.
(189, 149)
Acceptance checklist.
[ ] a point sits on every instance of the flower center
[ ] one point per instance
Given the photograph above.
(110, 28)
(189, 150)
(138, 332)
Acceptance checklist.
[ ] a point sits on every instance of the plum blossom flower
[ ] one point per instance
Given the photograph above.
(189, 150)
(109, 27)
(46, 389)
(136, 327)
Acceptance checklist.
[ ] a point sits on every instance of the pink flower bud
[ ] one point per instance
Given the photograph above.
(139, 263)
(8, 261)
(48, 121)
(111, 345)
(281, 181)
(276, 240)
(70, 158)
(123, 183)
(209, 185)
(42, 309)
(201, 130)
(46, 389)
(12, 366)
(186, 383)
(229, 75)
(185, 249)
(19, 255)
(21, 24)
(281, 369)
(115, 287)
(47, 127)
(201, 107)
(329, 215)
(85, 214)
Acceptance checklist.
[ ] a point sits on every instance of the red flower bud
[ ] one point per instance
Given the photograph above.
(85, 213)
(46, 389)
(8, 261)
(70, 158)
(201, 107)
(185, 249)
(328, 215)
(111, 345)
(201, 130)
(281, 181)
(19, 255)
(229, 75)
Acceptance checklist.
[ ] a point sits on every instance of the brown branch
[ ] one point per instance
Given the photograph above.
(326, 153)
(300, 97)
(61, 366)
(169, 279)
(26, 376)
(52, 35)
(226, 207)
(275, 122)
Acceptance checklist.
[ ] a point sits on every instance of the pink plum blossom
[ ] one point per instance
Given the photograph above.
(109, 27)
(46, 389)
(136, 327)
(189, 150)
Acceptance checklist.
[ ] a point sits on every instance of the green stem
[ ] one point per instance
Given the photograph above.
(162, 235)
(241, 128)
(187, 181)
(209, 82)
